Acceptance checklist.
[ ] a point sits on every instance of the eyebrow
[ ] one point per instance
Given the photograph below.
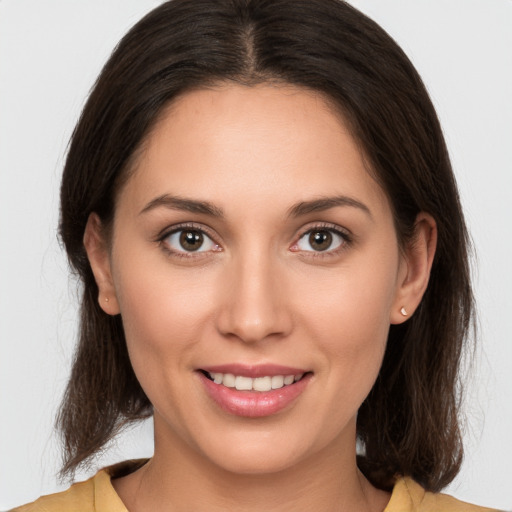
(325, 203)
(183, 204)
(207, 208)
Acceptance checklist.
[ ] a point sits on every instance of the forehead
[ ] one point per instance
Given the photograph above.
(257, 142)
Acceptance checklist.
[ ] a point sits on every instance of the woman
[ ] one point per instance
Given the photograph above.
(260, 204)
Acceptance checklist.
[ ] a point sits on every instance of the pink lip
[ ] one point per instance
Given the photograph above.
(254, 404)
(253, 371)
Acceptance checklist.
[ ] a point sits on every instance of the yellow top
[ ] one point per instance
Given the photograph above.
(98, 495)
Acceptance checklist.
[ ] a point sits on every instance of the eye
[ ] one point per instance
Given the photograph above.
(320, 240)
(189, 240)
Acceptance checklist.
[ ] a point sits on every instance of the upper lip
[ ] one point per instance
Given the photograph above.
(253, 371)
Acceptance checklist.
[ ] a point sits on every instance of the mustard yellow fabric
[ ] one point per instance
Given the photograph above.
(98, 495)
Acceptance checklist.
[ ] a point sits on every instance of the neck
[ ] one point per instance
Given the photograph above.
(177, 478)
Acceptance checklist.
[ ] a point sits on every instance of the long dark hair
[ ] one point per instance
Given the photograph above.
(409, 422)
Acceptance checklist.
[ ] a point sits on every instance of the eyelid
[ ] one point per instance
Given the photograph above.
(182, 226)
(346, 234)
(169, 230)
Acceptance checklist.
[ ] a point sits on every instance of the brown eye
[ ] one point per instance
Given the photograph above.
(191, 240)
(320, 240)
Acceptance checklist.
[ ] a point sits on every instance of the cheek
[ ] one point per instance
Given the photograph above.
(348, 316)
(163, 314)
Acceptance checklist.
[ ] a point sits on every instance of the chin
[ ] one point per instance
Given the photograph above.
(257, 462)
(263, 451)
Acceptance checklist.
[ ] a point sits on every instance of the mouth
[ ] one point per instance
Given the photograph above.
(254, 392)
(260, 384)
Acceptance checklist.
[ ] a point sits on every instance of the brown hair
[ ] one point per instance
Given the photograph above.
(409, 422)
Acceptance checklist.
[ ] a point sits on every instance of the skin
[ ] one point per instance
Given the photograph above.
(258, 293)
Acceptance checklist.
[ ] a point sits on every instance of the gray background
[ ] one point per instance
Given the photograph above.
(50, 54)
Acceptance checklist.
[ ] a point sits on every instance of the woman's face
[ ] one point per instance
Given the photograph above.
(251, 248)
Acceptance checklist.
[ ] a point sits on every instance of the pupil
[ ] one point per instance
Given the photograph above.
(191, 240)
(320, 240)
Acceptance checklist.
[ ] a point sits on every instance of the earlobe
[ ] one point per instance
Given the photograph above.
(417, 262)
(97, 251)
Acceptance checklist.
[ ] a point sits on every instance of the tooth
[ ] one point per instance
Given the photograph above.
(277, 381)
(243, 383)
(289, 379)
(228, 380)
(262, 384)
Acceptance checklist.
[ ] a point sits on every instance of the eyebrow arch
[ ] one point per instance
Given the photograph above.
(184, 204)
(325, 203)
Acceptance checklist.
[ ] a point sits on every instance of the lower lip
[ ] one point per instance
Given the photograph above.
(254, 404)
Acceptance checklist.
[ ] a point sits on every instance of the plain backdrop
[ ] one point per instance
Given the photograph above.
(50, 53)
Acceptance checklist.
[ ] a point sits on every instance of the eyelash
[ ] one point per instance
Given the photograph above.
(346, 236)
(184, 227)
(331, 228)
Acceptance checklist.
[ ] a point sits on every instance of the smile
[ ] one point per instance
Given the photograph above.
(254, 392)
(261, 384)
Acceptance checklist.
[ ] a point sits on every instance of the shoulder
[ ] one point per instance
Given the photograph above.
(79, 497)
(93, 495)
(408, 496)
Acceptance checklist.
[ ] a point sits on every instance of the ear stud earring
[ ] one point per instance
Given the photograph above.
(106, 299)
(403, 311)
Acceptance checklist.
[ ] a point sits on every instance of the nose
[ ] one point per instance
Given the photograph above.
(254, 305)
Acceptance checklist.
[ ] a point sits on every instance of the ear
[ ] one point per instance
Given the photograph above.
(415, 267)
(98, 254)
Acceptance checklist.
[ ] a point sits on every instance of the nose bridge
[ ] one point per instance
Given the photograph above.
(254, 307)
